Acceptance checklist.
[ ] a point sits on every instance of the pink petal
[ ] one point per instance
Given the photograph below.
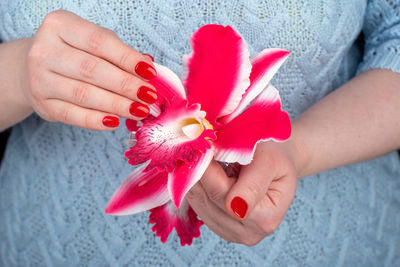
(217, 72)
(186, 175)
(263, 120)
(132, 125)
(163, 140)
(168, 86)
(139, 192)
(264, 67)
(184, 220)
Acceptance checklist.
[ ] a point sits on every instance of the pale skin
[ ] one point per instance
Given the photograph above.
(357, 122)
(75, 72)
(70, 71)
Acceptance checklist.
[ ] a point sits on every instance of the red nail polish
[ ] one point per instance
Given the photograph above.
(111, 121)
(152, 58)
(147, 94)
(239, 206)
(139, 110)
(145, 70)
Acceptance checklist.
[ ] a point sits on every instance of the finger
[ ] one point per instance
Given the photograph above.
(250, 187)
(215, 218)
(82, 66)
(89, 96)
(281, 192)
(81, 117)
(149, 56)
(216, 184)
(270, 211)
(105, 44)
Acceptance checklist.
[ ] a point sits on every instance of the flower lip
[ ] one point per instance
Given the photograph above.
(180, 132)
(193, 128)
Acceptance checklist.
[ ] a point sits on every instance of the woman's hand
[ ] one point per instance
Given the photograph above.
(83, 75)
(248, 208)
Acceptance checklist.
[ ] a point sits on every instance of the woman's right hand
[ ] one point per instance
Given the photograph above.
(82, 74)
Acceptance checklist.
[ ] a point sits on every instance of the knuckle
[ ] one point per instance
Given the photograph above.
(247, 238)
(115, 104)
(45, 110)
(63, 115)
(37, 53)
(236, 237)
(274, 226)
(87, 67)
(45, 115)
(97, 39)
(253, 188)
(33, 53)
(196, 196)
(242, 238)
(269, 227)
(127, 83)
(54, 17)
(41, 110)
(251, 241)
(126, 59)
(80, 94)
(228, 239)
(215, 195)
(87, 121)
(110, 32)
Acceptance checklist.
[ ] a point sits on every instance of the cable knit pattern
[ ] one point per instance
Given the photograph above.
(55, 180)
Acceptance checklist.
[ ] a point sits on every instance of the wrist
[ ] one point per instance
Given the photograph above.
(301, 155)
(15, 105)
(22, 69)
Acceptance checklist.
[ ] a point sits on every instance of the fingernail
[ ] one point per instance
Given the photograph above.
(139, 109)
(147, 94)
(151, 57)
(239, 206)
(111, 121)
(145, 70)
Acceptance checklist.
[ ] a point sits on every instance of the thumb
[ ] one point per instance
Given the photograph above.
(250, 188)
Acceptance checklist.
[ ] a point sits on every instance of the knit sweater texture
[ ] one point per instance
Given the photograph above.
(56, 180)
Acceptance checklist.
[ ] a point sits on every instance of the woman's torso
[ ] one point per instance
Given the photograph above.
(56, 180)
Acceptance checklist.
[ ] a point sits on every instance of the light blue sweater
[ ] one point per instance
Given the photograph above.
(55, 180)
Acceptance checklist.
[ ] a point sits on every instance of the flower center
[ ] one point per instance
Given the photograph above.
(192, 127)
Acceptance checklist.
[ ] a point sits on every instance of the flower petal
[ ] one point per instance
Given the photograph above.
(168, 86)
(264, 67)
(217, 72)
(163, 140)
(186, 175)
(263, 120)
(139, 192)
(184, 220)
(132, 125)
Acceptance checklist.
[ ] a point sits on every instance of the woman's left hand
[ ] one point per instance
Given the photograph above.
(248, 208)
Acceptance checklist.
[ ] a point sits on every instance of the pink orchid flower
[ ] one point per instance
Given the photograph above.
(223, 108)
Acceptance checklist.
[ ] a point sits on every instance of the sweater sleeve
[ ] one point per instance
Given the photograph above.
(382, 36)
